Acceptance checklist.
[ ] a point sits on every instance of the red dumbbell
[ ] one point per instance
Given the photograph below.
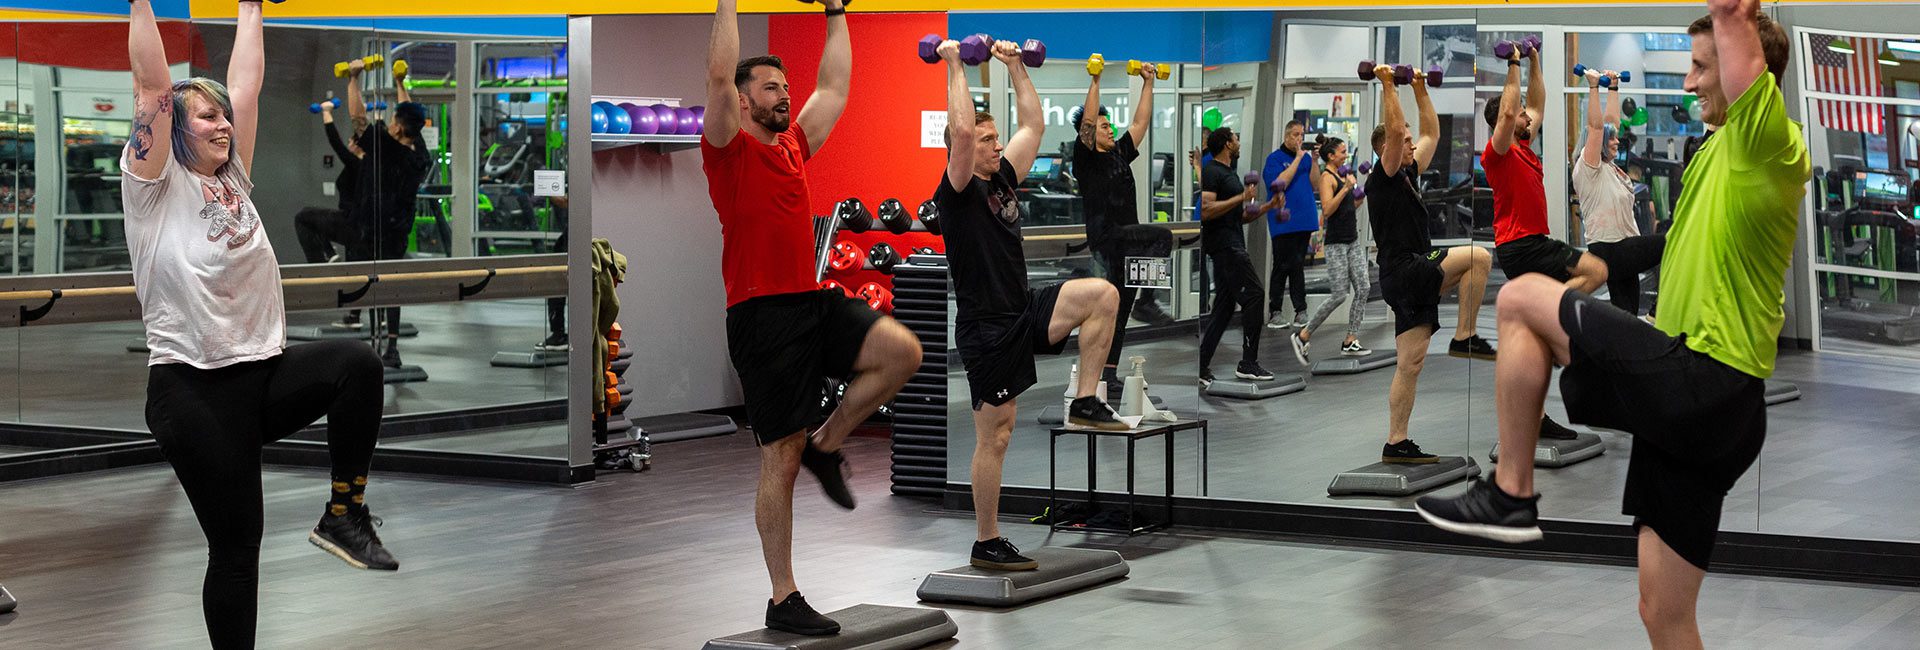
(846, 257)
(877, 297)
(836, 286)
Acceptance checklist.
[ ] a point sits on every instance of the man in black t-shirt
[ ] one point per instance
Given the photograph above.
(1224, 213)
(396, 164)
(1413, 274)
(1002, 324)
(1103, 167)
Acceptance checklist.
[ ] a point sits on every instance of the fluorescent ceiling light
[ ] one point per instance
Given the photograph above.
(1840, 45)
(1905, 46)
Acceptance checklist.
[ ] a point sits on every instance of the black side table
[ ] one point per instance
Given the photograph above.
(1163, 430)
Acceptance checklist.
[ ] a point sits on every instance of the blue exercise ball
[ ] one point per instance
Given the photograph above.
(599, 118)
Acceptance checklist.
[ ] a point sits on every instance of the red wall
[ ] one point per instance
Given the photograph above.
(874, 152)
(93, 45)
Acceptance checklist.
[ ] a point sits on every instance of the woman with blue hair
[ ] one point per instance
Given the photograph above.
(222, 382)
(1606, 199)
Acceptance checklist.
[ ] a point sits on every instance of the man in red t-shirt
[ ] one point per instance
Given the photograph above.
(1519, 186)
(784, 334)
(1520, 192)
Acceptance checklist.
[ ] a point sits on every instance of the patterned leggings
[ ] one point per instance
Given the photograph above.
(1347, 275)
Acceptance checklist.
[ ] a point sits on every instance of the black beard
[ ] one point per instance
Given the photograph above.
(770, 119)
(1524, 135)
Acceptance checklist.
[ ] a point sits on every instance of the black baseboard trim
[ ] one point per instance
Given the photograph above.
(1748, 553)
(302, 453)
(553, 411)
(73, 460)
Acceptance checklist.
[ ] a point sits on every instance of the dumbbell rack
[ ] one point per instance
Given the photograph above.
(617, 443)
(920, 409)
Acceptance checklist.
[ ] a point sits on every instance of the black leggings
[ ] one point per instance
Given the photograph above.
(1235, 283)
(1116, 264)
(1290, 270)
(1626, 260)
(211, 425)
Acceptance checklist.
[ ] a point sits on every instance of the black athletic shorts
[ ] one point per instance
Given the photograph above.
(783, 345)
(1697, 423)
(998, 352)
(1538, 254)
(1412, 290)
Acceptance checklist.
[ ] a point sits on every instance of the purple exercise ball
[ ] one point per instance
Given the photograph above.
(644, 121)
(669, 123)
(700, 119)
(689, 123)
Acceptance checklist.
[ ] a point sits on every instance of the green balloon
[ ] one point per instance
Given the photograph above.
(1211, 119)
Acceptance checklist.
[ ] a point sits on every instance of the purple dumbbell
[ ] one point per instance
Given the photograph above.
(976, 49)
(1033, 53)
(930, 48)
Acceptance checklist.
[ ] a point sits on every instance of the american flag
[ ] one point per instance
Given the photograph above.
(1856, 74)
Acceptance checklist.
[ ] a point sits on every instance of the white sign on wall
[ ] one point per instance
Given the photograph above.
(431, 137)
(549, 182)
(933, 129)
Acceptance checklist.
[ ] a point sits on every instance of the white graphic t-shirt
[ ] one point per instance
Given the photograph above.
(208, 281)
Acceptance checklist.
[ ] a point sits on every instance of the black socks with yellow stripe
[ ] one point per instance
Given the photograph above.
(347, 494)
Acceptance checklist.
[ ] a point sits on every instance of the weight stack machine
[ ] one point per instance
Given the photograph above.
(920, 410)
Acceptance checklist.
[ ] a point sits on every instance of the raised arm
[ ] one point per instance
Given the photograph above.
(1736, 42)
(246, 72)
(333, 134)
(831, 88)
(1393, 151)
(723, 97)
(1024, 146)
(1596, 122)
(962, 136)
(400, 94)
(1510, 107)
(1143, 108)
(150, 139)
(1536, 90)
(356, 100)
(1089, 112)
(1429, 139)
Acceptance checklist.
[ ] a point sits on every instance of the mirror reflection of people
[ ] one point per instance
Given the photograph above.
(1514, 172)
(1415, 276)
(222, 382)
(388, 186)
(1226, 206)
(1691, 388)
(1291, 168)
(1607, 214)
(1347, 274)
(319, 229)
(784, 333)
(1001, 324)
(1102, 163)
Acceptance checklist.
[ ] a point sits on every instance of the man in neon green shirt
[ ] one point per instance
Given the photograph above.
(1691, 391)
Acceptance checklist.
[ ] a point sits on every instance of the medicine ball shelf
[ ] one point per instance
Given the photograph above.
(664, 143)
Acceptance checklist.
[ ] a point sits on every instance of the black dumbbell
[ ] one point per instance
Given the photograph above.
(853, 216)
(893, 217)
(883, 258)
(930, 217)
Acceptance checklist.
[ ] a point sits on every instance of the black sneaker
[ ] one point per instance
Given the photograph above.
(1484, 511)
(1148, 311)
(1550, 430)
(998, 553)
(350, 537)
(1250, 369)
(1206, 379)
(796, 616)
(390, 357)
(1300, 348)
(1089, 411)
(1472, 347)
(833, 470)
(1353, 348)
(1406, 452)
(557, 342)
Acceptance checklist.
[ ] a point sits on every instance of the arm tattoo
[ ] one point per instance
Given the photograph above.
(142, 136)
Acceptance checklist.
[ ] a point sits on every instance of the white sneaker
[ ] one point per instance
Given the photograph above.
(1277, 322)
(1354, 349)
(1300, 348)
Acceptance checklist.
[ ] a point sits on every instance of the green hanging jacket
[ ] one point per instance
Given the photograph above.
(609, 270)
